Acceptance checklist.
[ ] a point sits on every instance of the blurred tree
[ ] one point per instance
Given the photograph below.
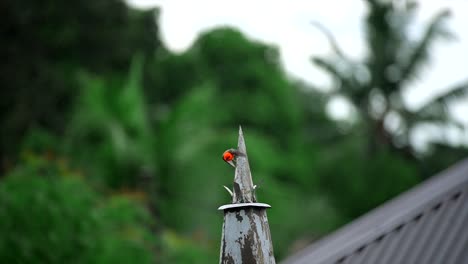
(250, 82)
(375, 160)
(440, 155)
(50, 215)
(43, 44)
(375, 86)
(109, 133)
(357, 182)
(179, 249)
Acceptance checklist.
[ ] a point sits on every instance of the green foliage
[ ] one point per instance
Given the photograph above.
(441, 156)
(179, 249)
(357, 182)
(44, 45)
(296, 216)
(187, 141)
(254, 91)
(109, 133)
(125, 235)
(45, 207)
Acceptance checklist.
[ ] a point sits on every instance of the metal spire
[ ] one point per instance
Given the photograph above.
(243, 187)
(246, 234)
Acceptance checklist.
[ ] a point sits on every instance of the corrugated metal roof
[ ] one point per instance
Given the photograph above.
(427, 224)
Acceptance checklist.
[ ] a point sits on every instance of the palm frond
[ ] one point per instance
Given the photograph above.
(335, 73)
(435, 111)
(349, 87)
(430, 116)
(411, 119)
(329, 67)
(420, 53)
(455, 92)
(441, 101)
(331, 39)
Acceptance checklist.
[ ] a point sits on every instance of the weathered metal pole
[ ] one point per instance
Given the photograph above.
(246, 234)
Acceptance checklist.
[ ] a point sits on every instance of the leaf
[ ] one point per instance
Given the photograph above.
(331, 39)
(435, 111)
(332, 69)
(456, 92)
(420, 54)
(349, 86)
(438, 106)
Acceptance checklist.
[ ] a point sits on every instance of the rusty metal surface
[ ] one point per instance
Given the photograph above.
(428, 224)
(246, 237)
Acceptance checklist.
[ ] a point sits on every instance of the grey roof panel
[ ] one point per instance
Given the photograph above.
(459, 242)
(449, 208)
(394, 240)
(427, 224)
(457, 223)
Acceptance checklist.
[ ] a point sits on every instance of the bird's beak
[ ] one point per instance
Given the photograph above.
(231, 163)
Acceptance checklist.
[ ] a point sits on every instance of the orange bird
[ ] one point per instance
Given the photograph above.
(230, 156)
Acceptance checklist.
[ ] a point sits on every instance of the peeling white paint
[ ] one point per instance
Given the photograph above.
(228, 206)
(246, 237)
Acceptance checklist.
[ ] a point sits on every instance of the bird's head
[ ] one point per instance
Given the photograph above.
(230, 156)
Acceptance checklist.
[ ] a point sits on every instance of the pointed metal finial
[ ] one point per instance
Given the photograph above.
(241, 136)
(243, 186)
(246, 234)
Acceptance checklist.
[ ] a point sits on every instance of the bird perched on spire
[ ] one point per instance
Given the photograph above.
(231, 155)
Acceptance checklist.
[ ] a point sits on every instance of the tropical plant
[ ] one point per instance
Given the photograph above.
(394, 61)
(109, 133)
